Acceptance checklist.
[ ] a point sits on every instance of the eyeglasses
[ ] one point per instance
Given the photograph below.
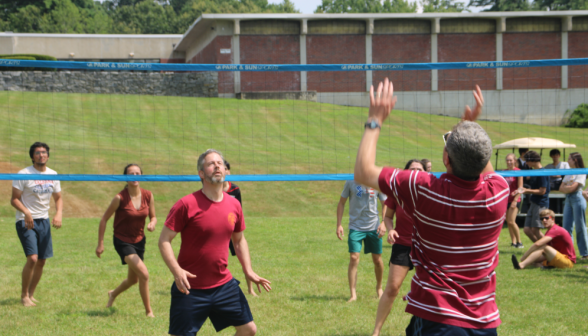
(545, 218)
(445, 137)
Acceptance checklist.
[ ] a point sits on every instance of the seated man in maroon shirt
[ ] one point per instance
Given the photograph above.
(555, 249)
(204, 287)
(457, 219)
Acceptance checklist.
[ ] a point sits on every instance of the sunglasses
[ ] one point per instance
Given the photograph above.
(545, 218)
(445, 137)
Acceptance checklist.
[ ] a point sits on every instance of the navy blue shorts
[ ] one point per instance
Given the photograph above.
(422, 327)
(226, 306)
(37, 240)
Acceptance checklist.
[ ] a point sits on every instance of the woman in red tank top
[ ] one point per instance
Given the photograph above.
(130, 208)
(514, 183)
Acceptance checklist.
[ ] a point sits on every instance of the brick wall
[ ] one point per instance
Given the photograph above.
(172, 60)
(211, 55)
(577, 48)
(531, 46)
(403, 48)
(270, 49)
(336, 49)
(466, 48)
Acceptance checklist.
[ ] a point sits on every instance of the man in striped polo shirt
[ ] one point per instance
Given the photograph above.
(457, 220)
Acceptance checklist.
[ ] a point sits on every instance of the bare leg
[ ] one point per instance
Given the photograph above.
(396, 276)
(533, 233)
(379, 270)
(352, 274)
(250, 289)
(37, 273)
(513, 229)
(137, 266)
(27, 278)
(248, 329)
(534, 257)
(124, 285)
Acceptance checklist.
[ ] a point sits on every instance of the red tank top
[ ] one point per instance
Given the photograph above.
(129, 222)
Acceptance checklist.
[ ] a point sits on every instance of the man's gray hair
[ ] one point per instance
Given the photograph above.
(469, 148)
(203, 156)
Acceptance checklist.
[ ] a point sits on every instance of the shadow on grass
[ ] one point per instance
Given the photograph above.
(9, 302)
(101, 313)
(319, 298)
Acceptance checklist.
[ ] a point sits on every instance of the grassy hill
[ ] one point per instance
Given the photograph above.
(100, 134)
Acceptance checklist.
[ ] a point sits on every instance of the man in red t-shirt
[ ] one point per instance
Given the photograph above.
(555, 249)
(457, 221)
(204, 287)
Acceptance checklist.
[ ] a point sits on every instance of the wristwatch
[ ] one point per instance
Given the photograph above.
(372, 124)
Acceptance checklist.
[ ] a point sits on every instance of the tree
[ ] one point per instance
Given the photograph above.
(501, 5)
(553, 5)
(436, 6)
(366, 6)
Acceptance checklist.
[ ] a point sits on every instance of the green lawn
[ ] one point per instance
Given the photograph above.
(301, 256)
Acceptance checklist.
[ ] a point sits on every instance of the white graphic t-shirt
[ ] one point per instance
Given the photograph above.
(36, 195)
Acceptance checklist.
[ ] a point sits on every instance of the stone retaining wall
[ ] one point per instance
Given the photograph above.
(193, 84)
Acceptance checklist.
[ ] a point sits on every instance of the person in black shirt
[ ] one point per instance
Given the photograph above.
(233, 190)
(521, 162)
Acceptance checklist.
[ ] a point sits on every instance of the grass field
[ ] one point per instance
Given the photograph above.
(304, 260)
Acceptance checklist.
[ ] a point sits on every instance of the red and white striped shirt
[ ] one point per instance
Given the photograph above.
(454, 244)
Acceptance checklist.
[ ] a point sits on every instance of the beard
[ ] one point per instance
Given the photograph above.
(213, 179)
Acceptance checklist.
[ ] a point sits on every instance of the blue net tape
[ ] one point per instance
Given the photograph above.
(257, 178)
(287, 67)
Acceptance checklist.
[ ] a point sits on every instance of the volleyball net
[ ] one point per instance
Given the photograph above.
(273, 122)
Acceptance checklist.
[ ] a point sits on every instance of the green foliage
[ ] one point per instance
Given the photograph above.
(501, 5)
(366, 6)
(446, 6)
(578, 117)
(32, 56)
(553, 5)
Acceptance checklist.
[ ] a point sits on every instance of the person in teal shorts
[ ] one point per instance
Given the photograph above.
(365, 227)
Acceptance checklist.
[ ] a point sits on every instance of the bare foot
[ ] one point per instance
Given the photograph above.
(252, 292)
(150, 314)
(380, 293)
(110, 299)
(33, 299)
(353, 298)
(26, 301)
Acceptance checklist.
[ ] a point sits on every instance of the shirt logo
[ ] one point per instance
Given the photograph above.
(232, 219)
(45, 188)
(359, 191)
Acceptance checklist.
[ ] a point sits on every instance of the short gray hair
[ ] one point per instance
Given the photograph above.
(203, 156)
(469, 148)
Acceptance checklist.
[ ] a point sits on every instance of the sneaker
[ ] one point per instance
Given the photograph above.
(515, 263)
(519, 245)
(513, 245)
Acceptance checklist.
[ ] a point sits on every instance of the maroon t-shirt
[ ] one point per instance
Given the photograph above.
(403, 223)
(561, 241)
(206, 228)
(129, 223)
(512, 185)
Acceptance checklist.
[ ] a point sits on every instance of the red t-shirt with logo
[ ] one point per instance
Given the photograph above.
(403, 223)
(561, 241)
(206, 228)
(455, 244)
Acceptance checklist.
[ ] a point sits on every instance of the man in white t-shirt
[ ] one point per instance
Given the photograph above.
(31, 199)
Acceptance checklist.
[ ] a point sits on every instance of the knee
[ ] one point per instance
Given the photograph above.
(250, 329)
(391, 292)
(41, 262)
(143, 276)
(32, 259)
(354, 258)
(528, 230)
(377, 259)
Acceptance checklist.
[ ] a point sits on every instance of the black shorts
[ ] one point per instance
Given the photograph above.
(124, 249)
(401, 256)
(421, 327)
(226, 306)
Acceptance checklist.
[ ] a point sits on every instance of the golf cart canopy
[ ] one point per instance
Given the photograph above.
(533, 143)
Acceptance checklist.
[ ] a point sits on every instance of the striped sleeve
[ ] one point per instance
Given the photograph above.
(402, 185)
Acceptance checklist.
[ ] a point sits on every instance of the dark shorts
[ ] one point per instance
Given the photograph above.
(124, 249)
(401, 256)
(422, 327)
(37, 240)
(226, 306)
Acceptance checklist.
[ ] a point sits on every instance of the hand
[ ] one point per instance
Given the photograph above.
(519, 191)
(151, 226)
(99, 250)
(256, 279)
(29, 222)
(381, 230)
(472, 115)
(57, 221)
(392, 235)
(182, 282)
(340, 232)
(383, 102)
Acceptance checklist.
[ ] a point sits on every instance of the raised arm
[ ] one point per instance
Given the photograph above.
(366, 172)
(114, 204)
(242, 251)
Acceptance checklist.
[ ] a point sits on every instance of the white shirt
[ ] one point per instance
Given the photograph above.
(570, 179)
(36, 195)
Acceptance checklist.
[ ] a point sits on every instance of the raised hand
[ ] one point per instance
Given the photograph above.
(472, 115)
(382, 102)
